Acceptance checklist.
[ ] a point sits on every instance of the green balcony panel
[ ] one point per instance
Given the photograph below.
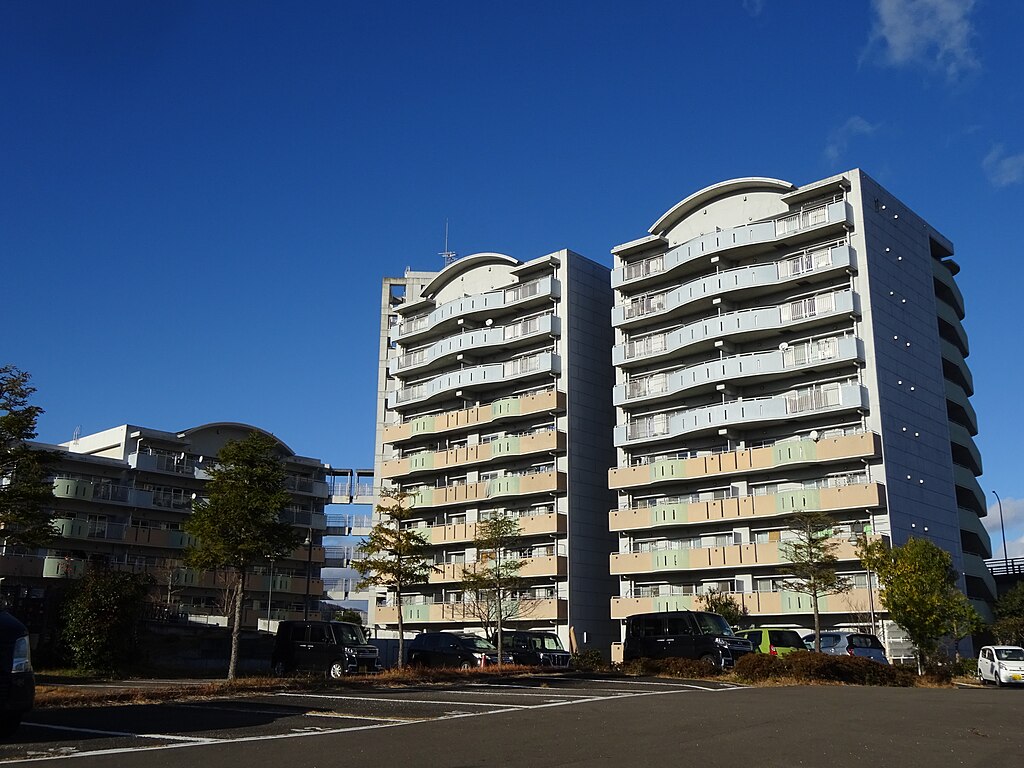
(669, 513)
(506, 446)
(797, 501)
(416, 612)
(421, 461)
(507, 407)
(423, 425)
(503, 485)
(674, 603)
(794, 451)
(666, 470)
(672, 560)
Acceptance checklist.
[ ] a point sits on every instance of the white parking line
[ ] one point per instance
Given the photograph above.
(189, 741)
(444, 702)
(98, 732)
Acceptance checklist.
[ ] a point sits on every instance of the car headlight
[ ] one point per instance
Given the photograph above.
(22, 661)
(722, 642)
(350, 651)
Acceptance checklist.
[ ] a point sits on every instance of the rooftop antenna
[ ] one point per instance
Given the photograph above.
(76, 434)
(448, 256)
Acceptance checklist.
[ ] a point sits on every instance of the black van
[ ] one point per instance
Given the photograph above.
(335, 647)
(685, 635)
(535, 649)
(17, 682)
(452, 649)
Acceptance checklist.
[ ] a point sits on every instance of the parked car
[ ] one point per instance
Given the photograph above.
(837, 643)
(336, 648)
(452, 649)
(1001, 664)
(536, 649)
(683, 634)
(775, 642)
(17, 681)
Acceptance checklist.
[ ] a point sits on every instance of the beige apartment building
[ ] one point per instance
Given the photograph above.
(780, 348)
(495, 398)
(121, 498)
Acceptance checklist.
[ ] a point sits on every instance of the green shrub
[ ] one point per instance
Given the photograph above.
(588, 660)
(755, 667)
(852, 670)
(682, 668)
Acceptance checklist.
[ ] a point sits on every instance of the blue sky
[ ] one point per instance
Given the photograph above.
(198, 200)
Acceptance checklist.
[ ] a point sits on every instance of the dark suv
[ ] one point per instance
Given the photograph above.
(535, 649)
(685, 635)
(335, 647)
(17, 683)
(452, 649)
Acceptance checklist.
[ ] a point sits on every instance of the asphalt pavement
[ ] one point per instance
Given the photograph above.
(542, 721)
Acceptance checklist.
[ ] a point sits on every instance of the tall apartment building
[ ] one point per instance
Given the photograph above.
(780, 348)
(495, 397)
(121, 498)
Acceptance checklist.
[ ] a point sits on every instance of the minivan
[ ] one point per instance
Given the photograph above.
(683, 634)
(17, 681)
(452, 649)
(774, 642)
(337, 648)
(534, 648)
(838, 643)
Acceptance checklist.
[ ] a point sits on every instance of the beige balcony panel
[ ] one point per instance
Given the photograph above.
(536, 525)
(553, 565)
(447, 573)
(785, 603)
(549, 440)
(445, 534)
(662, 516)
(462, 419)
(623, 607)
(793, 453)
(733, 556)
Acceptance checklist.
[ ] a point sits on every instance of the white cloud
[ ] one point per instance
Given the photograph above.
(1002, 169)
(753, 7)
(933, 33)
(1013, 516)
(839, 139)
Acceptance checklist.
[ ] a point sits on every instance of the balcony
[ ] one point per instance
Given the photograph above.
(474, 343)
(540, 609)
(21, 567)
(733, 556)
(747, 324)
(483, 306)
(529, 525)
(955, 394)
(74, 528)
(790, 453)
(104, 493)
(944, 276)
(756, 366)
(965, 452)
(671, 514)
(799, 403)
(748, 282)
(550, 401)
(968, 492)
(962, 373)
(757, 603)
(546, 441)
(477, 378)
(158, 537)
(947, 314)
(489, 490)
(817, 221)
(552, 566)
(183, 465)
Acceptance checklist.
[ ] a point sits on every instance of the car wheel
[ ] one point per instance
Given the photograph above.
(999, 680)
(711, 659)
(465, 665)
(337, 670)
(415, 660)
(9, 724)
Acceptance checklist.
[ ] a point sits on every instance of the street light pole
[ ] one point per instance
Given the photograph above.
(1002, 529)
(309, 567)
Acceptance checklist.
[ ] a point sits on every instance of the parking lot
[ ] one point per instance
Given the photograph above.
(541, 721)
(108, 730)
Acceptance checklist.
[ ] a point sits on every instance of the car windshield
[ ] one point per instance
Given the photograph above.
(712, 624)
(348, 634)
(1010, 654)
(476, 643)
(545, 642)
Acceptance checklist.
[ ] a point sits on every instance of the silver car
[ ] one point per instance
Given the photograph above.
(850, 644)
(1001, 664)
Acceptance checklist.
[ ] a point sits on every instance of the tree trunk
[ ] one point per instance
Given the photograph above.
(817, 623)
(236, 629)
(401, 627)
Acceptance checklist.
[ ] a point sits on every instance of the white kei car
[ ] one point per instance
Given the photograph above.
(1001, 664)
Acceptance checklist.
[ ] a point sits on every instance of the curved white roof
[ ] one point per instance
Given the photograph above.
(464, 264)
(685, 207)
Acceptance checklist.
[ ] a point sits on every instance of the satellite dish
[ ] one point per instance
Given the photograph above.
(783, 346)
(814, 435)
